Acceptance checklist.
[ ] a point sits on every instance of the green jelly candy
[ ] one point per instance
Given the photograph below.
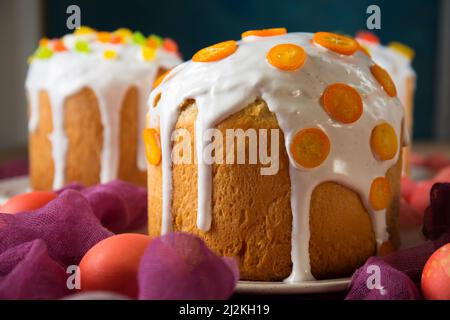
(43, 53)
(157, 39)
(139, 38)
(82, 46)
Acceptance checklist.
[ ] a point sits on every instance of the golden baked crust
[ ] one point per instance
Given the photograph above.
(251, 214)
(128, 169)
(40, 148)
(84, 131)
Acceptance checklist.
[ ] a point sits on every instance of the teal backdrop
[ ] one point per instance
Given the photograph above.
(198, 23)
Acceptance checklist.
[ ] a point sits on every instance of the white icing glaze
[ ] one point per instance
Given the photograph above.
(226, 86)
(68, 72)
(398, 66)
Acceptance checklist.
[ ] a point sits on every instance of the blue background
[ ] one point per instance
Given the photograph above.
(198, 23)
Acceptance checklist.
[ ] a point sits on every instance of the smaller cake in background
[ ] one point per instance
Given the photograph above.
(87, 102)
(396, 58)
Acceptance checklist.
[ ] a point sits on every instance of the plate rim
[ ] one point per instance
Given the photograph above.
(280, 287)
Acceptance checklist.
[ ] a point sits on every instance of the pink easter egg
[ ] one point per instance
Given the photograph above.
(420, 199)
(443, 175)
(407, 188)
(436, 275)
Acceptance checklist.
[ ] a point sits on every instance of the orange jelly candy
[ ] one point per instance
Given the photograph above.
(264, 32)
(310, 147)
(170, 45)
(59, 46)
(216, 52)
(343, 102)
(336, 42)
(115, 39)
(384, 142)
(380, 194)
(386, 248)
(43, 42)
(152, 146)
(384, 79)
(104, 37)
(288, 57)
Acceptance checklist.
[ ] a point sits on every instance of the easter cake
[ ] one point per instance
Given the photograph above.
(330, 115)
(397, 59)
(87, 97)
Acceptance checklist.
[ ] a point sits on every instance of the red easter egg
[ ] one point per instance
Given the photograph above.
(436, 275)
(420, 199)
(443, 175)
(407, 188)
(28, 201)
(113, 263)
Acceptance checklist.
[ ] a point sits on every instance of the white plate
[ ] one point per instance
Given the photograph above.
(319, 286)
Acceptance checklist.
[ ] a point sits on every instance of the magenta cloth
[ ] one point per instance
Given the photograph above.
(400, 272)
(28, 272)
(180, 266)
(14, 168)
(120, 206)
(60, 233)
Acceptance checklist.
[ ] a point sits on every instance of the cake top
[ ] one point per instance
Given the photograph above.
(107, 45)
(396, 57)
(89, 57)
(274, 65)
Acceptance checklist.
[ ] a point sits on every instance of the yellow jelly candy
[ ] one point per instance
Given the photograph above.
(84, 30)
(109, 54)
(148, 54)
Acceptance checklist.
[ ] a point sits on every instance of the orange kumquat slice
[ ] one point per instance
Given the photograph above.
(161, 78)
(384, 79)
(152, 146)
(384, 142)
(336, 42)
(264, 32)
(288, 57)
(310, 147)
(380, 194)
(216, 52)
(343, 103)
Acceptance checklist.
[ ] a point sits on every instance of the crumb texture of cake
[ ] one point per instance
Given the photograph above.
(87, 94)
(333, 201)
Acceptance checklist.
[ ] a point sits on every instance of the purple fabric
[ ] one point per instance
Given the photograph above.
(180, 266)
(28, 272)
(60, 233)
(14, 168)
(400, 272)
(120, 206)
